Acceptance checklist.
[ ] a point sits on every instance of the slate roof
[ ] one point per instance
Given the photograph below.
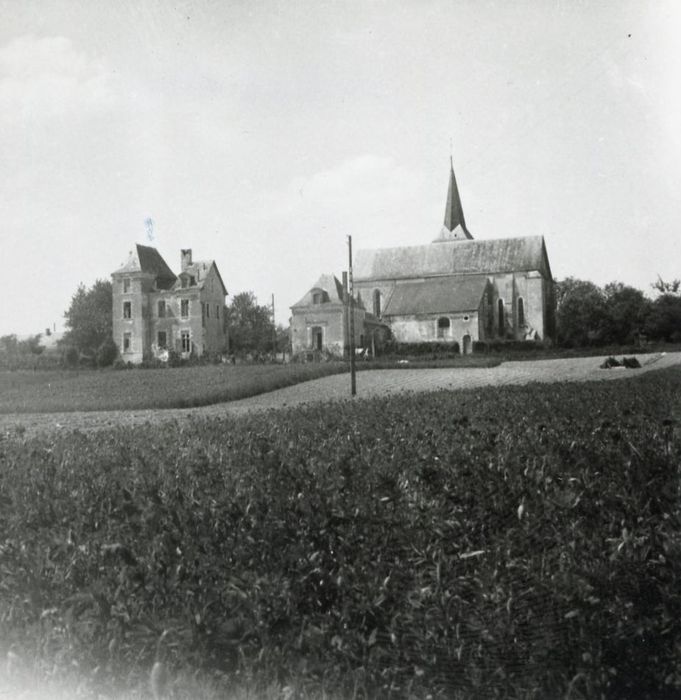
(454, 218)
(199, 270)
(144, 258)
(436, 296)
(453, 258)
(147, 259)
(330, 285)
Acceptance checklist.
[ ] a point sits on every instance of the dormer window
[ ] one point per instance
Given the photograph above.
(192, 281)
(317, 298)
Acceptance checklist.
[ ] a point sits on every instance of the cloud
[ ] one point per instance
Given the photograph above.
(361, 188)
(43, 78)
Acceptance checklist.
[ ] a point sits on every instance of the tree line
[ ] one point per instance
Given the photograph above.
(616, 314)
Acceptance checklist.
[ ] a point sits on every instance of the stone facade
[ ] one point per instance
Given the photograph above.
(457, 289)
(155, 311)
(320, 322)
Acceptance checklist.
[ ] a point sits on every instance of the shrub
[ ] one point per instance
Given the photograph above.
(511, 346)
(174, 359)
(431, 350)
(71, 356)
(107, 352)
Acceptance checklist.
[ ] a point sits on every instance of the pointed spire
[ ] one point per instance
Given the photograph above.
(454, 211)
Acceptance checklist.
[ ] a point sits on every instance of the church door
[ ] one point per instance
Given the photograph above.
(467, 345)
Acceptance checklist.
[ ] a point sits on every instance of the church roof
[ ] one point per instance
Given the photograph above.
(455, 224)
(144, 258)
(470, 257)
(437, 296)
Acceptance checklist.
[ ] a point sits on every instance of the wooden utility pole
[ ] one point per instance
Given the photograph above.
(274, 334)
(346, 317)
(351, 301)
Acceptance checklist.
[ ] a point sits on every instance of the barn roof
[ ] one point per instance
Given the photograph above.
(436, 296)
(453, 258)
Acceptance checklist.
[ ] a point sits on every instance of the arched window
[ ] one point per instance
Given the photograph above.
(502, 319)
(377, 302)
(443, 327)
(521, 312)
(489, 320)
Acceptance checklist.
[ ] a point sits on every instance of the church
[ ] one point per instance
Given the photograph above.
(455, 290)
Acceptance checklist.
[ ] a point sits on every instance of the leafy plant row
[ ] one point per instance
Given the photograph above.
(184, 387)
(517, 542)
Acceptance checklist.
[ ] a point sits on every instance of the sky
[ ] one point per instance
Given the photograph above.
(263, 134)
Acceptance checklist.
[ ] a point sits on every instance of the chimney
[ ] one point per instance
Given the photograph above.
(186, 258)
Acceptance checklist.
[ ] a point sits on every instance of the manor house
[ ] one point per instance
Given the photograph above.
(454, 289)
(155, 311)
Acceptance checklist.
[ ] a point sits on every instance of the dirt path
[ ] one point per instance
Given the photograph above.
(337, 388)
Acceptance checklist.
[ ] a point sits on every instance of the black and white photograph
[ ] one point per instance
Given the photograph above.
(340, 355)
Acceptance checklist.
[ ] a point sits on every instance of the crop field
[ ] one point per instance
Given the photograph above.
(51, 391)
(510, 542)
(180, 387)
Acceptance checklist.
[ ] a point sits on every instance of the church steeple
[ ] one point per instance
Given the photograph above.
(455, 225)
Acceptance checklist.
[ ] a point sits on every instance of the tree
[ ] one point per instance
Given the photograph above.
(580, 312)
(31, 345)
(16, 354)
(250, 325)
(9, 345)
(664, 321)
(626, 311)
(89, 317)
(283, 339)
(666, 287)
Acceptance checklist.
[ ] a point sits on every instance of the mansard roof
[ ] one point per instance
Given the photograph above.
(146, 259)
(469, 257)
(440, 295)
